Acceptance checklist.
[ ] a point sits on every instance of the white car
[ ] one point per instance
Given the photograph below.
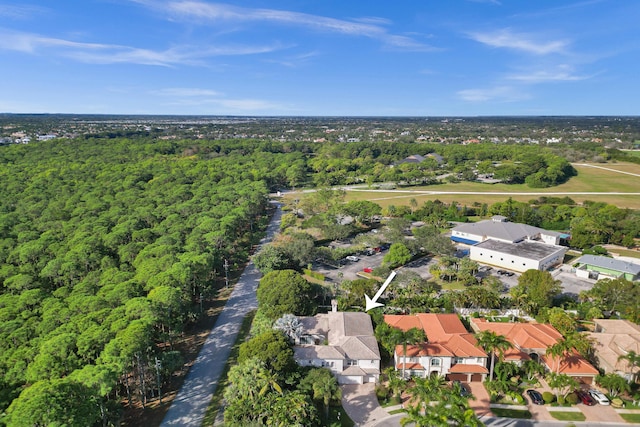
(599, 397)
(353, 258)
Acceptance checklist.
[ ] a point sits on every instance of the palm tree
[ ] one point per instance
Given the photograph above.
(395, 383)
(411, 336)
(326, 388)
(532, 368)
(568, 345)
(492, 342)
(633, 361)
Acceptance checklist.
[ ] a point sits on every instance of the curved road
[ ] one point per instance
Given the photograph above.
(190, 405)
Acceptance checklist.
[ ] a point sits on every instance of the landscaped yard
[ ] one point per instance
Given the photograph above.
(631, 418)
(511, 413)
(567, 416)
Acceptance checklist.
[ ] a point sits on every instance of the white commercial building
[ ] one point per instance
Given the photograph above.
(509, 245)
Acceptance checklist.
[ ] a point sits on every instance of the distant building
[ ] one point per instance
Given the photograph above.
(414, 158)
(417, 158)
(520, 257)
(343, 342)
(509, 245)
(599, 267)
(500, 228)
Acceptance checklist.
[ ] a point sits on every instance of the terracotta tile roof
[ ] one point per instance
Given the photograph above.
(513, 354)
(522, 335)
(462, 368)
(402, 321)
(446, 334)
(573, 364)
(536, 337)
(425, 349)
(410, 366)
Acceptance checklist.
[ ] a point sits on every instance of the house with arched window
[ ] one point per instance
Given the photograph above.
(450, 351)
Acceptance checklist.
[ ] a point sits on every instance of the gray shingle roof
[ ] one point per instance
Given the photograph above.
(610, 263)
(503, 230)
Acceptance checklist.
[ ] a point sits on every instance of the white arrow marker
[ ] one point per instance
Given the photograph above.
(373, 302)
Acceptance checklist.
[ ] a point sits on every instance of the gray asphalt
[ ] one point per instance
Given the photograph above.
(190, 405)
(394, 421)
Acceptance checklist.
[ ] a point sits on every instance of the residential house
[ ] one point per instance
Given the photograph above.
(450, 350)
(342, 342)
(614, 339)
(530, 341)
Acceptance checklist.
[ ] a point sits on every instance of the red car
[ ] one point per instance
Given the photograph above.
(585, 398)
(367, 269)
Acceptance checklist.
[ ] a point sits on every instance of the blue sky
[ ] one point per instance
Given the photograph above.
(321, 57)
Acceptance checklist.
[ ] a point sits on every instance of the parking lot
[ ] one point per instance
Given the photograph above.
(348, 269)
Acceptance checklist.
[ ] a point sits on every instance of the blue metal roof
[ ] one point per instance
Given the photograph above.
(465, 241)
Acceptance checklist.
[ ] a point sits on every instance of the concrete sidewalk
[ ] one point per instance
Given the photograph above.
(190, 405)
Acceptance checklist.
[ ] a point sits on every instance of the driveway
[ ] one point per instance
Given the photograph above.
(361, 404)
(480, 402)
(190, 405)
(600, 413)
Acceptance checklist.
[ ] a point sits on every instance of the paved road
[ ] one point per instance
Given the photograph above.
(190, 405)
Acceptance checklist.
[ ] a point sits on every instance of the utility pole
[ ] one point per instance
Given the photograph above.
(226, 273)
(158, 367)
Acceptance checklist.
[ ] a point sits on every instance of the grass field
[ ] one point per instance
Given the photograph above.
(631, 418)
(567, 416)
(511, 413)
(615, 178)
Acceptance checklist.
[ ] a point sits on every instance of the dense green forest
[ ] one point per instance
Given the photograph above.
(109, 245)
(106, 248)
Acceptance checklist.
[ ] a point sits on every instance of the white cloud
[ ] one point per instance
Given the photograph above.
(496, 93)
(562, 73)
(526, 42)
(184, 91)
(20, 12)
(203, 97)
(98, 53)
(365, 27)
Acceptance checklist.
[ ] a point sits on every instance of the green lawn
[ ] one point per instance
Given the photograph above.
(626, 252)
(339, 418)
(589, 179)
(567, 416)
(511, 413)
(631, 418)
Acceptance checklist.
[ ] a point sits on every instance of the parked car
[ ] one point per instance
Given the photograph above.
(369, 252)
(367, 269)
(585, 398)
(352, 258)
(599, 397)
(536, 397)
(463, 390)
(501, 272)
(509, 273)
